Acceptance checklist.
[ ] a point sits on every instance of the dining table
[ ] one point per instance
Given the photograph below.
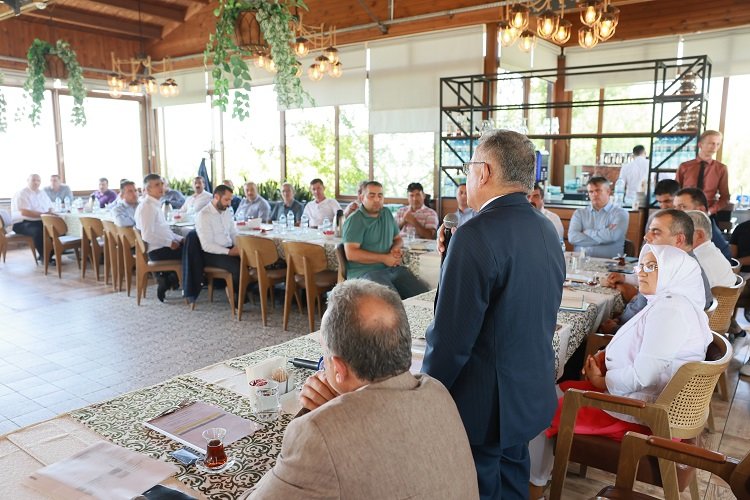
(225, 384)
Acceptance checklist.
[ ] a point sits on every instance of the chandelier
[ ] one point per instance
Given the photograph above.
(316, 38)
(599, 20)
(137, 78)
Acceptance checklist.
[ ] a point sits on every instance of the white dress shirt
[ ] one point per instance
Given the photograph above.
(155, 230)
(715, 265)
(326, 209)
(196, 202)
(27, 199)
(634, 173)
(216, 230)
(555, 220)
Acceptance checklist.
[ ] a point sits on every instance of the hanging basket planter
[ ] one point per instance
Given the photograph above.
(55, 67)
(247, 33)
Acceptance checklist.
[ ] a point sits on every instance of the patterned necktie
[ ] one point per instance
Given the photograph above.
(701, 174)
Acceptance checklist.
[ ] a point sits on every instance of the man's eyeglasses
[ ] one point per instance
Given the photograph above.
(646, 268)
(467, 166)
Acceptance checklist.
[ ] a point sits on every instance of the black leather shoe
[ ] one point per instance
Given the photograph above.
(174, 281)
(161, 290)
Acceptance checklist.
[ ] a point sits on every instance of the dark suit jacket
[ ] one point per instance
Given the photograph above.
(490, 343)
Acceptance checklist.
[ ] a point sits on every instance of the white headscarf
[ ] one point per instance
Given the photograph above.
(679, 274)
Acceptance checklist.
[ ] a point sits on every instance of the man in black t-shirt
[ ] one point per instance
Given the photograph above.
(739, 245)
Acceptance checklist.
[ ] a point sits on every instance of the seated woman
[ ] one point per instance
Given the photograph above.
(644, 355)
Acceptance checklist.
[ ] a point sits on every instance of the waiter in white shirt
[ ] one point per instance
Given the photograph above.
(217, 234)
(635, 172)
(195, 202)
(320, 207)
(27, 207)
(163, 244)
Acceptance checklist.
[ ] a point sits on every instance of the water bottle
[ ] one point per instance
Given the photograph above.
(562, 245)
(282, 222)
(304, 222)
(619, 192)
(167, 209)
(58, 204)
(67, 204)
(240, 215)
(290, 220)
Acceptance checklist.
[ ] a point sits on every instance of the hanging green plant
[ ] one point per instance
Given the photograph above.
(39, 56)
(231, 71)
(3, 108)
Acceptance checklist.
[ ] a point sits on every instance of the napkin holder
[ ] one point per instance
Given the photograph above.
(264, 369)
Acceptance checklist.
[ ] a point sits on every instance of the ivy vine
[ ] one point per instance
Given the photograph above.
(230, 69)
(3, 108)
(35, 84)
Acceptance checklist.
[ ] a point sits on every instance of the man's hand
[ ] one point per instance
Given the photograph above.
(441, 238)
(392, 259)
(409, 218)
(316, 392)
(594, 374)
(234, 251)
(613, 279)
(175, 245)
(612, 227)
(609, 326)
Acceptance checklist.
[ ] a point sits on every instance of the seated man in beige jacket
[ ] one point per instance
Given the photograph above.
(374, 429)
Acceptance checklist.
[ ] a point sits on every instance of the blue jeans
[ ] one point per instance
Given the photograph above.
(399, 279)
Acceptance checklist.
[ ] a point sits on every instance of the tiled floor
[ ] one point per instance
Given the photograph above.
(67, 343)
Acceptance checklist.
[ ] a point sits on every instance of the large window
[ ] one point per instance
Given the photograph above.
(736, 149)
(252, 147)
(353, 148)
(108, 146)
(310, 146)
(584, 121)
(26, 149)
(186, 138)
(400, 159)
(627, 118)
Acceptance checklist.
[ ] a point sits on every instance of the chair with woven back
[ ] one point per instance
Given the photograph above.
(126, 244)
(8, 236)
(721, 319)
(144, 266)
(736, 266)
(341, 260)
(256, 253)
(57, 239)
(635, 447)
(112, 258)
(307, 267)
(680, 411)
(92, 244)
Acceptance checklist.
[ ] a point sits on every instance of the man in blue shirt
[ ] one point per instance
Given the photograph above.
(175, 198)
(253, 205)
(600, 228)
(124, 211)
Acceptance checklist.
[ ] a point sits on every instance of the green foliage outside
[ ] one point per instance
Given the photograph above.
(184, 186)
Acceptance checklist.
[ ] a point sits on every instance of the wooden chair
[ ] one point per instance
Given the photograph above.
(56, 239)
(7, 237)
(127, 244)
(629, 249)
(727, 297)
(680, 411)
(217, 273)
(112, 257)
(736, 266)
(143, 267)
(92, 244)
(307, 267)
(736, 473)
(255, 254)
(341, 259)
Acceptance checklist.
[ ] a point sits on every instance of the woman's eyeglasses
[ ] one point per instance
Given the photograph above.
(646, 268)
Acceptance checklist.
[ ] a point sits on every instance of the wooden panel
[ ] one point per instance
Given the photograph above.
(90, 19)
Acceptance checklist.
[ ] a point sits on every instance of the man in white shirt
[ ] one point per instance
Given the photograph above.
(464, 212)
(320, 207)
(163, 244)
(57, 189)
(27, 207)
(217, 234)
(195, 202)
(635, 172)
(536, 198)
(714, 264)
(253, 205)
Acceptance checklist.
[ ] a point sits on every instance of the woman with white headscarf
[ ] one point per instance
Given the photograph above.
(646, 352)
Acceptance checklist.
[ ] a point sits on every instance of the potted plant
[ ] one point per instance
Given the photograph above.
(3, 108)
(38, 55)
(230, 70)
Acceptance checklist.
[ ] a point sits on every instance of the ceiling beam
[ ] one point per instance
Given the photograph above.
(166, 11)
(89, 19)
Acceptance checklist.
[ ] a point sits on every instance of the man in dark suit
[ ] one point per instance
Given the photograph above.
(491, 340)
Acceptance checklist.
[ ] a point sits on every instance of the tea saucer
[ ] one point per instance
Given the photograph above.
(201, 465)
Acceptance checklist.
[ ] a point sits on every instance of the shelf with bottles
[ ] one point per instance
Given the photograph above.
(456, 151)
(668, 152)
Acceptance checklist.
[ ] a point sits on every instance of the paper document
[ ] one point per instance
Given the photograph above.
(186, 425)
(103, 470)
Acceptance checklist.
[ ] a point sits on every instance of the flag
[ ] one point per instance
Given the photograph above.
(203, 172)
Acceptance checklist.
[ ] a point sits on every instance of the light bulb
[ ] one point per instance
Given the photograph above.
(260, 61)
(526, 41)
(314, 73)
(164, 89)
(591, 12)
(547, 23)
(150, 84)
(323, 63)
(519, 17)
(300, 46)
(112, 79)
(562, 35)
(332, 53)
(336, 70)
(134, 86)
(270, 66)
(587, 38)
(506, 34)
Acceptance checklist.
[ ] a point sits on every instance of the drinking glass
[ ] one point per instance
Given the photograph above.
(411, 234)
(216, 457)
(267, 405)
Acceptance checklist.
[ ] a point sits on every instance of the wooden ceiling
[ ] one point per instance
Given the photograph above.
(178, 28)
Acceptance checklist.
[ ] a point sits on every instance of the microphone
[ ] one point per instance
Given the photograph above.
(449, 222)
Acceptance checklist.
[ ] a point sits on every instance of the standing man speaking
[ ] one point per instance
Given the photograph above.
(490, 343)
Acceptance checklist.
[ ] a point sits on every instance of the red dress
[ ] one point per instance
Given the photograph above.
(593, 421)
